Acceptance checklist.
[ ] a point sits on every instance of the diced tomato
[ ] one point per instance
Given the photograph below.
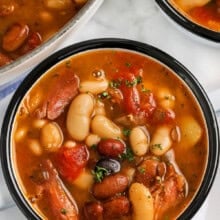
(135, 102)
(131, 99)
(71, 161)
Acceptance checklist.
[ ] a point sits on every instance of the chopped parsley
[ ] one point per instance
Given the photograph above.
(104, 95)
(135, 82)
(143, 89)
(63, 211)
(99, 173)
(93, 147)
(114, 84)
(157, 146)
(126, 132)
(141, 170)
(128, 155)
(127, 64)
(68, 63)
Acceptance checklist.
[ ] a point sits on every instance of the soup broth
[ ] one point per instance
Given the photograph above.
(203, 12)
(109, 134)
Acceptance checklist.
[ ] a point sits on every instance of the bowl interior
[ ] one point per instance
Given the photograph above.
(171, 63)
(187, 24)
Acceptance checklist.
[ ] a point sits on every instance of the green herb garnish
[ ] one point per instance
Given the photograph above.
(99, 173)
(126, 132)
(63, 211)
(104, 95)
(68, 63)
(127, 64)
(135, 82)
(114, 84)
(128, 155)
(141, 170)
(157, 146)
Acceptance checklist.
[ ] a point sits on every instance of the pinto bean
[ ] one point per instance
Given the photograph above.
(93, 211)
(111, 147)
(116, 207)
(110, 186)
(15, 36)
(4, 59)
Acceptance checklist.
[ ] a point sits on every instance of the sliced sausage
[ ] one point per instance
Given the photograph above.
(63, 90)
(116, 207)
(110, 186)
(63, 206)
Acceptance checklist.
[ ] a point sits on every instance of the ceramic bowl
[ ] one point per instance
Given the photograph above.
(163, 58)
(201, 33)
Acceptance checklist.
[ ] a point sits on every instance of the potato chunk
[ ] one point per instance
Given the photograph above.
(191, 131)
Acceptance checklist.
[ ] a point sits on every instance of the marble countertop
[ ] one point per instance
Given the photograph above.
(142, 21)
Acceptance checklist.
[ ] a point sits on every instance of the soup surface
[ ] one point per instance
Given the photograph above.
(109, 134)
(203, 12)
(26, 24)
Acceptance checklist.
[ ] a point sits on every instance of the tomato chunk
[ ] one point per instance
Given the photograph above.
(71, 161)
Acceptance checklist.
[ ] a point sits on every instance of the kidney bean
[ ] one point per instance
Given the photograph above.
(93, 211)
(110, 186)
(4, 59)
(116, 207)
(111, 147)
(15, 36)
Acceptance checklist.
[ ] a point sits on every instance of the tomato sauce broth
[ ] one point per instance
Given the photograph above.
(174, 109)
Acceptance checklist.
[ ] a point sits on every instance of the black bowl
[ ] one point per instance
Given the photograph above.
(150, 51)
(188, 24)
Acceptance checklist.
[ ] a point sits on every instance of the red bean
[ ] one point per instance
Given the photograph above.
(110, 186)
(111, 147)
(93, 211)
(14, 37)
(4, 59)
(116, 207)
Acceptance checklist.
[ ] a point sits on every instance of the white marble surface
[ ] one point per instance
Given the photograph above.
(141, 20)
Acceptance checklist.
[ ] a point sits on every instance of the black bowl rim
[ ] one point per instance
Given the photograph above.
(186, 23)
(110, 43)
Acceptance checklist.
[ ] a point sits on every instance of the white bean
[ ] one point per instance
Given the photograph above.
(165, 98)
(139, 140)
(51, 136)
(161, 140)
(35, 147)
(92, 139)
(191, 131)
(142, 202)
(94, 87)
(105, 128)
(79, 116)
